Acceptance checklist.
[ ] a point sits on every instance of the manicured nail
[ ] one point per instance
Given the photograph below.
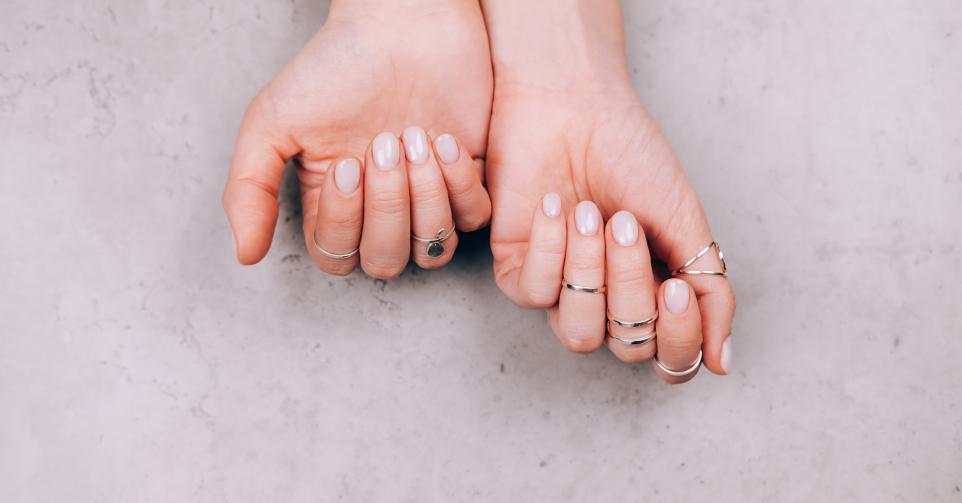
(415, 144)
(447, 148)
(624, 228)
(676, 296)
(386, 151)
(726, 356)
(551, 204)
(347, 175)
(587, 218)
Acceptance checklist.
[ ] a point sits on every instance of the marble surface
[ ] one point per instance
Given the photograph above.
(138, 362)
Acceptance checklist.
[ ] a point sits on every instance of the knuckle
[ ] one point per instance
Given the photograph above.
(429, 194)
(388, 201)
(382, 269)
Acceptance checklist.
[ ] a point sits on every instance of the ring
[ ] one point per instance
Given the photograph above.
(633, 324)
(680, 373)
(335, 256)
(584, 289)
(436, 244)
(648, 337)
(721, 257)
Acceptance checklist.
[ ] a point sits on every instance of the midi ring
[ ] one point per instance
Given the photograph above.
(721, 258)
(680, 373)
(633, 324)
(648, 337)
(585, 289)
(335, 256)
(436, 244)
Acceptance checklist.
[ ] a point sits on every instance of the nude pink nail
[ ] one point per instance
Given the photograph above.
(624, 228)
(726, 355)
(587, 218)
(447, 148)
(676, 296)
(386, 151)
(415, 144)
(551, 204)
(347, 175)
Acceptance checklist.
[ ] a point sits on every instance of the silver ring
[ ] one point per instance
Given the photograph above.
(585, 289)
(335, 256)
(680, 373)
(436, 244)
(633, 324)
(721, 258)
(648, 337)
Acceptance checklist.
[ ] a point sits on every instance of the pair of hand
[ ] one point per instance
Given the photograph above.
(568, 143)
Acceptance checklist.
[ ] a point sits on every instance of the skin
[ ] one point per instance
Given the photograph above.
(567, 121)
(373, 67)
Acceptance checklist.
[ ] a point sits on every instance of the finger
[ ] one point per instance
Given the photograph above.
(631, 289)
(250, 196)
(430, 211)
(581, 314)
(386, 233)
(679, 330)
(537, 282)
(684, 239)
(336, 228)
(469, 199)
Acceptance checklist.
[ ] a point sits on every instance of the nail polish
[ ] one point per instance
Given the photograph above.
(676, 296)
(726, 355)
(347, 175)
(386, 151)
(551, 204)
(587, 218)
(415, 144)
(447, 148)
(624, 228)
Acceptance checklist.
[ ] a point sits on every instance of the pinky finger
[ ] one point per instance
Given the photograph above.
(469, 200)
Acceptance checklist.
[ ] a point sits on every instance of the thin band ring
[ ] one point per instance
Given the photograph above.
(648, 337)
(585, 289)
(435, 244)
(633, 324)
(335, 256)
(680, 373)
(721, 258)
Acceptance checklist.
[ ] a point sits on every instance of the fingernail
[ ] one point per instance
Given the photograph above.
(676, 296)
(415, 144)
(447, 148)
(726, 356)
(587, 218)
(624, 228)
(386, 151)
(347, 175)
(551, 204)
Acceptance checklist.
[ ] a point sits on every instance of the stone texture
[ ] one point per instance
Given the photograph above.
(138, 362)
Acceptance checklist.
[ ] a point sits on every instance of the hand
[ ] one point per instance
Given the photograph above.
(374, 66)
(570, 143)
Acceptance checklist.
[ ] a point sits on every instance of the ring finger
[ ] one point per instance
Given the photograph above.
(385, 239)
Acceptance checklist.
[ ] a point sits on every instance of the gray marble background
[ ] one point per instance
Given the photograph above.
(139, 363)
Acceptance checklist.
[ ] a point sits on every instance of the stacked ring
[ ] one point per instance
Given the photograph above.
(644, 338)
(721, 258)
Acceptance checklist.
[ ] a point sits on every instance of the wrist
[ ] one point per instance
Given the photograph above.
(557, 43)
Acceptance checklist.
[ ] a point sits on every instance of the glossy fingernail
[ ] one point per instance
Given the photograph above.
(726, 355)
(624, 228)
(447, 148)
(551, 204)
(386, 151)
(676, 296)
(415, 144)
(587, 218)
(347, 175)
